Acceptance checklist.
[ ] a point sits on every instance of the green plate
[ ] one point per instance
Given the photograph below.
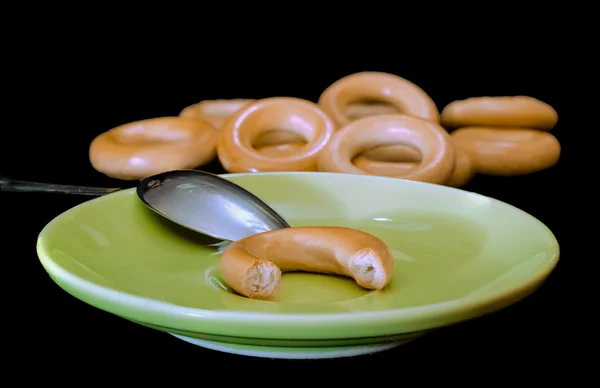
(458, 255)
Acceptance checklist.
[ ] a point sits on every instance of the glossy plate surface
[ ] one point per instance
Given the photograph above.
(458, 255)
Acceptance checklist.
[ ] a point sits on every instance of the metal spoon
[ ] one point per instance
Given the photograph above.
(197, 200)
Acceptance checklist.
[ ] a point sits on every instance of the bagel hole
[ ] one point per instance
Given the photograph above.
(317, 288)
(277, 137)
(279, 143)
(301, 287)
(370, 107)
(280, 117)
(391, 153)
(280, 130)
(308, 287)
(388, 160)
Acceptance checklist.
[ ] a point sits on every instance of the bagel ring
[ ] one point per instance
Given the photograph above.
(507, 151)
(253, 265)
(410, 99)
(432, 141)
(236, 149)
(504, 111)
(463, 173)
(147, 147)
(214, 111)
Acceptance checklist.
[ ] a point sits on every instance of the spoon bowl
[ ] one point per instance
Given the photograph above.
(208, 204)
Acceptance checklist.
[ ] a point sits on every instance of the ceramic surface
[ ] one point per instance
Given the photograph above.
(458, 255)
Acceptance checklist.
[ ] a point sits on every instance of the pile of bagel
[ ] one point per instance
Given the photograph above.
(365, 123)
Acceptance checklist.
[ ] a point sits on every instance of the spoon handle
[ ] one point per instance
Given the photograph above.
(7, 184)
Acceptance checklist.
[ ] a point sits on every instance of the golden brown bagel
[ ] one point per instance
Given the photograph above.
(147, 147)
(507, 151)
(235, 146)
(505, 111)
(406, 96)
(429, 138)
(252, 266)
(217, 111)
(214, 111)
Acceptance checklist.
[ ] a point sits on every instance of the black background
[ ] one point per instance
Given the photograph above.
(73, 98)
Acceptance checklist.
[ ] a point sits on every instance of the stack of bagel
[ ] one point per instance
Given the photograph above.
(506, 135)
(366, 123)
